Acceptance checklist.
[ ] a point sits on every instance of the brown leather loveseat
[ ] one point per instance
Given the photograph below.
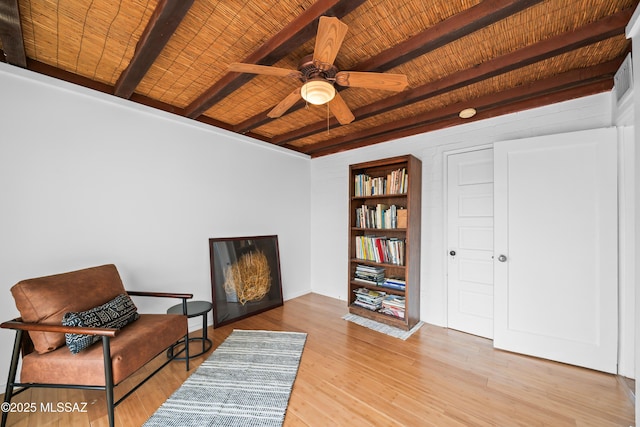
(66, 315)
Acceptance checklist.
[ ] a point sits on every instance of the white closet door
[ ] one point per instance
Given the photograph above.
(556, 248)
(470, 242)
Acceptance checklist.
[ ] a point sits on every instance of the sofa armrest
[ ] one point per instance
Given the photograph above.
(43, 327)
(160, 294)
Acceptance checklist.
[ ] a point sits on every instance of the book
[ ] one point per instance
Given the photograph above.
(395, 301)
(369, 294)
(396, 284)
(393, 305)
(392, 312)
(401, 215)
(380, 211)
(369, 275)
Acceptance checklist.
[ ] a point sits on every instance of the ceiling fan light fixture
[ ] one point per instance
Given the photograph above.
(317, 92)
(467, 113)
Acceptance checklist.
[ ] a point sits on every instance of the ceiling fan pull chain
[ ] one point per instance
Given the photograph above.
(327, 104)
(304, 97)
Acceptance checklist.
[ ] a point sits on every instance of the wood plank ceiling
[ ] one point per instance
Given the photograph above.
(497, 56)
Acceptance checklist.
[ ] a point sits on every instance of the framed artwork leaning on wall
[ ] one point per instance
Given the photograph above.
(245, 277)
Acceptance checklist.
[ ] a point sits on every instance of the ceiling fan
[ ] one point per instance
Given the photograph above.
(318, 74)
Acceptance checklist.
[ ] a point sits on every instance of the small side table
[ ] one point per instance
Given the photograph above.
(194, 309)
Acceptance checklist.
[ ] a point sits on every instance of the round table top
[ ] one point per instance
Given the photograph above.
(194, 308)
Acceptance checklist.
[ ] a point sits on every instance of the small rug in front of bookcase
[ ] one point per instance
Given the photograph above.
(381, 327)
(246, 381)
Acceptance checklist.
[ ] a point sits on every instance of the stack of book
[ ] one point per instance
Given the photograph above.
(369, 299)
(380, 249)
(396, 182)
(365, 185)
(369, 274)
(393, 283)
(393, 305)
(382, 216)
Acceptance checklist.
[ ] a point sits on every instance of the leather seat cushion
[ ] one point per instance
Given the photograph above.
(134, 346)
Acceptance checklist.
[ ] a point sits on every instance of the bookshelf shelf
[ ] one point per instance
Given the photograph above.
(376, 288)
(384, 240)
(377, 316)
(380, 264)
(380, 196)
(381, 230)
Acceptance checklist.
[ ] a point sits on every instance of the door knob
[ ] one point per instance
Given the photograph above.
(502, 258)
(452, 253)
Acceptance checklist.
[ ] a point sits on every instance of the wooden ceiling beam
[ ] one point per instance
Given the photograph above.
(11, 33)
(451, 29)
(67, 76)
(464, 23)
(581, 77)
(163, 23)
(300, 30)
(563, 43)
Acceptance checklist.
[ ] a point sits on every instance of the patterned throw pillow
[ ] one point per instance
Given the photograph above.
(117, 313)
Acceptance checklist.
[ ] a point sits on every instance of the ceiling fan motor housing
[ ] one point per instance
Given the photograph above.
(312, 70)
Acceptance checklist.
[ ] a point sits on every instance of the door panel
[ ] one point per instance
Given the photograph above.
(475, 201)
(479, 271)
(470, 237)
(480, 238)
(556, 223)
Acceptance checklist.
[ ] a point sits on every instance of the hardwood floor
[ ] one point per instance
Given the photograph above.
(352, 376)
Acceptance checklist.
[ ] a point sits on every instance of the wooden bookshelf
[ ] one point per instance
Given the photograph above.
(379, 190)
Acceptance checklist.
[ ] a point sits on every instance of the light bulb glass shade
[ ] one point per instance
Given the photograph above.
(317, 92)
(467, 113)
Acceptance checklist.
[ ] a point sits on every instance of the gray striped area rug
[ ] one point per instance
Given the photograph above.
(381, 327)
(246, 381)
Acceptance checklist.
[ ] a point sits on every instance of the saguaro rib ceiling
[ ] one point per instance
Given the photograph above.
(499, 56)
(297, 32)
(590, 33)
(450, 29)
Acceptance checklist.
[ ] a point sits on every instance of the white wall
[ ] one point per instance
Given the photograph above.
(633, 33)
(329, 204)
(88, 179)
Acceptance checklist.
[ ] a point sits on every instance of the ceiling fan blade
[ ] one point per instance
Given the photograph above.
(241, 67)
(340, 109)
(331, 33)
(386, 81)
(285, 104)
